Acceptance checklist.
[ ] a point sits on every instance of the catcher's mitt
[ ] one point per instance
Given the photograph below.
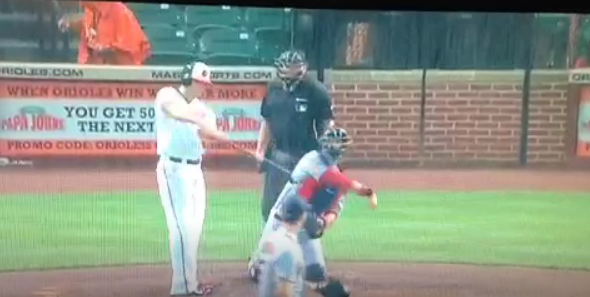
(314, 226)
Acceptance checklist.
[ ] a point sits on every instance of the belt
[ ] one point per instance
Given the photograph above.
(187, 161)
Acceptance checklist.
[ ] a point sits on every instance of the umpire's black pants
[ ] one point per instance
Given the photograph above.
(275, 179)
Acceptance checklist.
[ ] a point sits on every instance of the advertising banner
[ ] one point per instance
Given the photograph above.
(75, 72)
(44, 117)
(583, 148)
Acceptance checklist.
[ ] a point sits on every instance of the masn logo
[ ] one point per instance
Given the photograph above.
(166, 75)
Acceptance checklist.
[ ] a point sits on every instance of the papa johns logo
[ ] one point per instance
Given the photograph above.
(32, 118)
(236, 120)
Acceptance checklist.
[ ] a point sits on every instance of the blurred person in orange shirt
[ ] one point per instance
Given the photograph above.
(109, 34)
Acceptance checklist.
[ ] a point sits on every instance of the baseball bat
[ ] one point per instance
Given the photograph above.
(252, 154)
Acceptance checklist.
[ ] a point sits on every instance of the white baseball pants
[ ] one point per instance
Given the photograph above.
(183, 194)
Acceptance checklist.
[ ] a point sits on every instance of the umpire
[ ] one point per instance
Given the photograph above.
(296, 110)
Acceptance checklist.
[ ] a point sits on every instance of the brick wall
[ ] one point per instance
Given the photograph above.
(470, 117)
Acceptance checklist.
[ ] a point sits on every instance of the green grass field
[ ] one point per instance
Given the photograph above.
(512, 228)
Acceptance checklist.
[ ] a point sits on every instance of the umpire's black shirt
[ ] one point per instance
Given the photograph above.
(292, 117)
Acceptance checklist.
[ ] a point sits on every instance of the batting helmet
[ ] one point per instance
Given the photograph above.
(335, 141)
(293, 209)
(195, 71)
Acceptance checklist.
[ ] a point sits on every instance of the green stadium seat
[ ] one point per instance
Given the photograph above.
(271, 42)
(198, 31)
(230, 59)
(31, 6)
(226, 41)
(213, 15)
(553, 23)
(257, 17)
(152, 7)
(20, 26)
(20, 51)
(166, 37)
(163, 58)
(460, 49)
(553, 36)
(6, 7)
(158, 13)
(170, 45)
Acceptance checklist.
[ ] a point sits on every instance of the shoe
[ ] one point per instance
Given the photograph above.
(205, 289)
(253, 270)
(202, 290)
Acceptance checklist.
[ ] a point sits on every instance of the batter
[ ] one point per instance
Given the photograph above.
(318, 180)
(181, 121)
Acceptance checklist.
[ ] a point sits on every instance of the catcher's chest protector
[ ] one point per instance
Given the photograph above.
(307, 175)
(324, 199)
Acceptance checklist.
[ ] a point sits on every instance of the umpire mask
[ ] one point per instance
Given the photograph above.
(291, 67)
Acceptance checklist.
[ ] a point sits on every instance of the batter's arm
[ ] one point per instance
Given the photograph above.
(190, 113)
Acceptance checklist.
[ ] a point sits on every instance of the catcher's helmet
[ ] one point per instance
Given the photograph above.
(195, 71)
(335, 141)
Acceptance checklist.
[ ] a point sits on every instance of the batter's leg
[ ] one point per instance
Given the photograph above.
(173, 196)
(194, 217)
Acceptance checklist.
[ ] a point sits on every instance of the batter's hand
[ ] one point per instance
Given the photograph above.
(243, 150)
(259, 157)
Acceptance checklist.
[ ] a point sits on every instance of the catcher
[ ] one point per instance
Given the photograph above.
(319, 181)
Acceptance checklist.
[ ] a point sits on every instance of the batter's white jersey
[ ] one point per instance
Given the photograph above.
(176, 138)
(182, 190)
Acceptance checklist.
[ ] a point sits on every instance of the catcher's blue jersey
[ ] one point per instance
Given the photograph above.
(306, 181)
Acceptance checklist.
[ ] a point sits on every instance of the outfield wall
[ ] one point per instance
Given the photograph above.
(51, 111)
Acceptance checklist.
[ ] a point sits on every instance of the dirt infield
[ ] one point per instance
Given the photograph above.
(365, 279)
